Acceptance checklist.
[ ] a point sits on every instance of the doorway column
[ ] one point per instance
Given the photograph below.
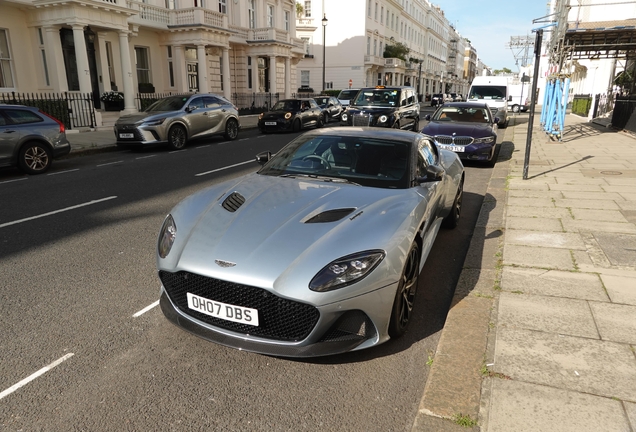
(227, 91)
(103, 61)
(272, 74)
(126, 72)
(55, 58)
(81, 58)
(202, 67)
(287, 77)
(179, 65)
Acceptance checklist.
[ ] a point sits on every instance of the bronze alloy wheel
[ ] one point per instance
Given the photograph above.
(405, 295)
(34, 158)
(177, 137)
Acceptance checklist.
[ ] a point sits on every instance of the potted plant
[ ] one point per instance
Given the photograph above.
(113, 101)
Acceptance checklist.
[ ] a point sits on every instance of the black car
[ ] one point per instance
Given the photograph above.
(465, 128)
(31, 138)
(291, 115)
(390, 107)
(438, 99)
(331, 106)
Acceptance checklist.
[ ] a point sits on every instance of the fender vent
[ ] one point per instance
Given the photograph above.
(233, 202)
(331, 215)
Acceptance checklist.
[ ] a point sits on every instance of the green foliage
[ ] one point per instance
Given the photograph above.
(299, 9)
(464, 420)
(398, 50)
(581, 106)
(502, 71)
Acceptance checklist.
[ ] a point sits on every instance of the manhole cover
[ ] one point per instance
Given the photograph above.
(611, 172)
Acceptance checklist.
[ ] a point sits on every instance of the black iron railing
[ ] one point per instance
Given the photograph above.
(75, 110)
(623, 113)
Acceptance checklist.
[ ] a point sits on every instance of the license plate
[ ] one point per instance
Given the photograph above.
(126, 135)
(456, 149)
(270, 123)
(223, 311)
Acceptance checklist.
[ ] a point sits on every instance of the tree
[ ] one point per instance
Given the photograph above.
(503, 71)
(299, 10)
(398, 50)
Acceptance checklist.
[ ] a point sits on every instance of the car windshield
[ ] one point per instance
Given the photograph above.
(487, 92)
(173, 103)
(377, 97)
(347, 94)
(286, 105)
(461, 114)
(321, 100)
(365, 161)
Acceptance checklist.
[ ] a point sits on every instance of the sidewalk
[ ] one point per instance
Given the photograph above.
(104, 140)
(541, 335)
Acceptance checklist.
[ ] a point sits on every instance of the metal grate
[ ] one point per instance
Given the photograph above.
(361, 120)
(279, 318)
(233, 202)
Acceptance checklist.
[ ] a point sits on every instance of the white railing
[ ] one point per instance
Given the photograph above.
(182, 16)
(150, 13)
(394, 62)
(240, 32)
(268, 34)
(214, 18)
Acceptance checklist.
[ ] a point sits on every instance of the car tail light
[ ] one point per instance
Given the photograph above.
(62, 128)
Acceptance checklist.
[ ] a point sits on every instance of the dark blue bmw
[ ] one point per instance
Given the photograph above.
(465, 128)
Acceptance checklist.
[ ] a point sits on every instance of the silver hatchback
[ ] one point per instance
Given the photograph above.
(176, 119)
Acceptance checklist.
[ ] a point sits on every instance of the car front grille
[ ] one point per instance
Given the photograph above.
(129, 129)
(453, 140)
(361, 120)
(279, 318)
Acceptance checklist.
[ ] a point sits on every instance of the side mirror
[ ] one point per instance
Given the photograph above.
(427, 117)
(496, 120)
(433, 173)
(264, 157)
(509, 98)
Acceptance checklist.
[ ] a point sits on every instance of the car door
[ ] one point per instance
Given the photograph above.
(215, 112)
(9, 138)
(197, 117)
(316, 111)
(411, 109)
(427, 155)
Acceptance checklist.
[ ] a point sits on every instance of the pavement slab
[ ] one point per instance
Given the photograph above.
(620, 249)
(554, 283)
(598, 215)
(591, 366)
(545, 239)
(630, 409)
(615, 322)
(598, 226)
(549, 314)
(539, 212)
(534, 224)
(542, 257)
(587, 204)
(592, 195)
(620, 289)
(526, 407)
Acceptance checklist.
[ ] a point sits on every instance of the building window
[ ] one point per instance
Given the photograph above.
(304, 78)
(6, 76)
(270, 16)
(368, 45)
(171, 4)
(223, 6)
(376, 12)
(249, 72)
(45, 68)
(111, 71)
(379, 82)
(142, 63)
(170, 67)
(382, 15)
(307, 8)
(251, 13)
(221, 70)
(287, 21)
(381, 52)
(375, 47)
(369, 8)
(307, 45)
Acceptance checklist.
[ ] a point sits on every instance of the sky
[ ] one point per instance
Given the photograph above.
(490, 24)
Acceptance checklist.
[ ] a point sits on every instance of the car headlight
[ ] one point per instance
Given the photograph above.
(344, 116)
(156, 122)
(382, 119)
(346, 270)
(486, 140)
(288, 115)
(166, 236)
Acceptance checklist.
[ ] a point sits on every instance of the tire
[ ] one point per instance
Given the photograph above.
(35, 158)
(402, 309)
(495, 155)
(297, 126)
(177, 137)
(321, 121)
(396, 125)
(231, 129)
(416, 125)
(515, 108)
(452, 219)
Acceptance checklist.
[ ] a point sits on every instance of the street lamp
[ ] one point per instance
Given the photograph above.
(324, 33)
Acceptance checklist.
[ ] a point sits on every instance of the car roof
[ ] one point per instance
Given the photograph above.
(388, 88)
(16, 106)
(465, 104)
(368, 132)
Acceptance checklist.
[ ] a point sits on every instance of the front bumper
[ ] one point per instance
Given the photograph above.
(132, 135)
(343, 326)
(280, 125)
(474, 152)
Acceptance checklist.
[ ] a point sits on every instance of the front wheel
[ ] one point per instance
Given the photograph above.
(296, 125)
(416, 125)
(231, 129)
(35, 158)
(452, 219)
(405, 296)
(515, 108)
(321, 121)
(177, 137)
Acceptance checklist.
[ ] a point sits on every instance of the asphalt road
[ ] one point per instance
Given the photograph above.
(77, 266)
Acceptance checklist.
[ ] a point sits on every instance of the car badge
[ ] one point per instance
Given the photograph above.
(454, 133)
(224, 264)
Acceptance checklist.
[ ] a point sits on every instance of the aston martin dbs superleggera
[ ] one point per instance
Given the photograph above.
(317, 253)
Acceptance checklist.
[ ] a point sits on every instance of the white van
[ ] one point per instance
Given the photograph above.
(493, 91)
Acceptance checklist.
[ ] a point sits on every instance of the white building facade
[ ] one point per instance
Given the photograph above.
(356, 35)
(95, 46)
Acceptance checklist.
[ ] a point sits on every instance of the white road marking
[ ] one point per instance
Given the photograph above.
(146, 309)
(11, 181)
(63, 172)
(224, 168)
(203, 146)
(242, 139)
(110, 163)
(176, 151)
(145, 157)
(57, 211)
(30, 378)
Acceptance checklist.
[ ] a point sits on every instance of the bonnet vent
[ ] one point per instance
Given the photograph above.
(233, 202)
(331, 215)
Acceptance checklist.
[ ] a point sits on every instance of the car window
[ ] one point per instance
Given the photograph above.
(173, 103)
(410, 97)
(19, 116)
(420, 169)
(377, 97)
(211, 102)
(196, 103)
(3, 121)
(313, 103)
(347, 94)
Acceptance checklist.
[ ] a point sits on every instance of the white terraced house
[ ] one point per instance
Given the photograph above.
(228, 47)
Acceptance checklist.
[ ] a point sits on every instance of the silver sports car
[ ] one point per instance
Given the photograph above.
(317, 253)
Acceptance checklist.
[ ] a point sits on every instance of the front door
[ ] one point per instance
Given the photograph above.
(193, 76)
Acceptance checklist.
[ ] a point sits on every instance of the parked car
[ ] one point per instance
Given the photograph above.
(292, 115)
(331, 106)
(30, 138)
(317, 253)
(175, 120)
(438, 99)
(346, 95)
(465, 128)
(381, 106)
(455, 97)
